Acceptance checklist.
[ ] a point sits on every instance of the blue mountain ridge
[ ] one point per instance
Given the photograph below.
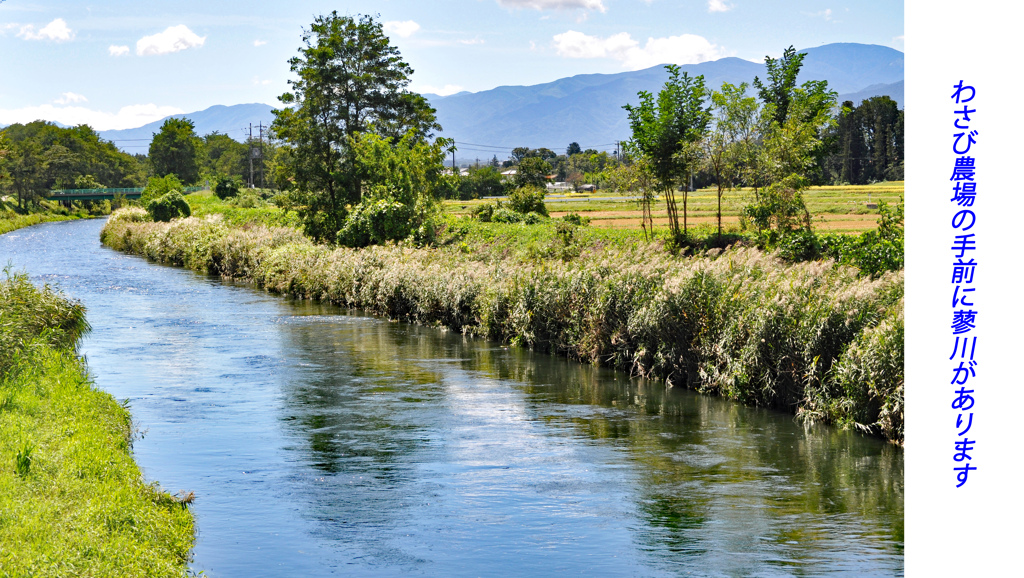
(585, 108)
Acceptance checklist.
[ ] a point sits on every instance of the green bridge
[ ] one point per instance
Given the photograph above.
(100, 194)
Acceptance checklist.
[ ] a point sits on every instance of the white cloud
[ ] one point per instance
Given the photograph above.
(403, 28)
(826, 14)
(555, 4)
(440, 91)
(258, 43)
(684, 49)
(57, 31)
(70, 97)
(128, 117)
(174, 39)
(260, 82)
(472, 41)
(718, 6)
(118, 50)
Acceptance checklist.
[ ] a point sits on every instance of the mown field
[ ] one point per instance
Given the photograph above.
(836, 209)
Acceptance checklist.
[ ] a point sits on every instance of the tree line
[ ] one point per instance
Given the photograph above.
(354, 151)
(777, 141)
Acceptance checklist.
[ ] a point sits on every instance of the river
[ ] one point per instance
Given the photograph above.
(321, 441)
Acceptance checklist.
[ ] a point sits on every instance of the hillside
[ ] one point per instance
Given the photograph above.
(586, 108)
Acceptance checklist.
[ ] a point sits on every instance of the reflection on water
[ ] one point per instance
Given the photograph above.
(322, 442)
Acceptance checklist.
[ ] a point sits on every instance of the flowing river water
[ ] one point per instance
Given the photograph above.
(321, 441)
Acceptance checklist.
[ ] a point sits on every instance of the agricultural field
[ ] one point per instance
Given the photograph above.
(837, 209)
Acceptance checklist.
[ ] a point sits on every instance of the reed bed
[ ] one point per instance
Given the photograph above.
(811, 338)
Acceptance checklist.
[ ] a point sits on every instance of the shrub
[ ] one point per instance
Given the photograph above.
(248, 199)
(481, 182)
(532, 218)
(129, 215)
(576, 219)
(527, 200)
(227, 187)
(505, 215)
(170, 206)
(374, 222)
(484, 213)
(160, 186)
(798, 246)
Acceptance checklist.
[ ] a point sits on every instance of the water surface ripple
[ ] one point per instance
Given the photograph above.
(323, 442)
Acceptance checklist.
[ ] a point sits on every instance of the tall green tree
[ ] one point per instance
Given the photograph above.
(25, 165)
(730, 145)
(225, 156)
(882, 124)
(782, 73)
(668, 131)
(532, 171)
(176, 150)
(350, 79)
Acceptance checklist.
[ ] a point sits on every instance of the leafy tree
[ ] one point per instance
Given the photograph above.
(573, 149)
(520, 153)
(176, 150)
(481, 182)
(527, 200)
(636, 178)
(64, 155)
(782, 75)
(225, 157)
(785, 159)
(544, 153)
(350, 79)
(882, 123)
(666, 133)
(402, 181)
(159, 186)
(532, 171)
(729, 147)
(25, 166)
(847, 164)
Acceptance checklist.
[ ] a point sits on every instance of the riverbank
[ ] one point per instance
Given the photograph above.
(72, 500)
(11, 220)
(810, 338)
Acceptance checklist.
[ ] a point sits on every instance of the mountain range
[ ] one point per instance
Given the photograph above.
(586, 108)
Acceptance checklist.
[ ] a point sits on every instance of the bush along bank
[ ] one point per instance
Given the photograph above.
(812, 338)
(72, 500)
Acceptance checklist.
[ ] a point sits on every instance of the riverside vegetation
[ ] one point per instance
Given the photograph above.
(72, 500)
(815, 338)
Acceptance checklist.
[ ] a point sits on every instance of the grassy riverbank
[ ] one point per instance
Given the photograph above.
(11, 219)
(72, 500)
(811, 338)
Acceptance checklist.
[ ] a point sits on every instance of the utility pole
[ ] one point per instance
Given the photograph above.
(250, 155)
(260, 150)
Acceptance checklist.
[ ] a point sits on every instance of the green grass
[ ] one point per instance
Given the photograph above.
(11, 218)
(841, 209)
(206, 203)
(72, 500)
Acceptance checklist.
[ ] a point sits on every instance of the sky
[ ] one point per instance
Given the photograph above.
(121, 64)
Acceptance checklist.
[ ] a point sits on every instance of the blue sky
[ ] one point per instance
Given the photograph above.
(121, 64)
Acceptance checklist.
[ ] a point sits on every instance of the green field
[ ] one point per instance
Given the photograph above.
(840, 209)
